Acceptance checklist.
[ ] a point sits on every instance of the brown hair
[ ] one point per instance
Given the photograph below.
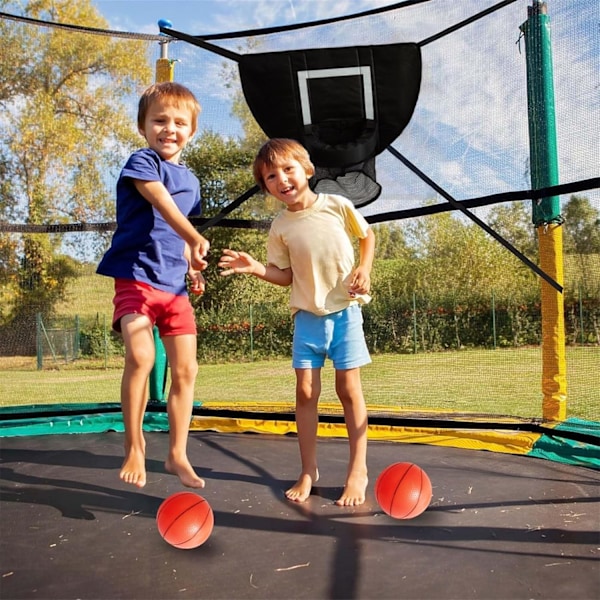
(170, 93)
(277, 150)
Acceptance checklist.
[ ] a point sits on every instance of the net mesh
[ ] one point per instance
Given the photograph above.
(434, 348)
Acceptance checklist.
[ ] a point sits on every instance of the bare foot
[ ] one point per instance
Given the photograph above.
(133, 469)
(300, 491)
(184, 470)
(354, 490)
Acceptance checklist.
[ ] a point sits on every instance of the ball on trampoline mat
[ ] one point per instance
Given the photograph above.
(185, 520)
(403, 490)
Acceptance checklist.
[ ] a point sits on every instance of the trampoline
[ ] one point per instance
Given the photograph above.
(499, 526)
(515, 511)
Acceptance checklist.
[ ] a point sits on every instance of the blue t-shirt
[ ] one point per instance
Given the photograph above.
(144, 246)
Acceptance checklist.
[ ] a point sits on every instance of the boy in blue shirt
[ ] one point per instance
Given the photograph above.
(153, 249)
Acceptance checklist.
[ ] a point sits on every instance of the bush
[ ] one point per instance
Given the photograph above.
(393, 325)
(96, 341)
(252, 332)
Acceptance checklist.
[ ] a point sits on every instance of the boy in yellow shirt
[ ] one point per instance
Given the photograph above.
(310, 249)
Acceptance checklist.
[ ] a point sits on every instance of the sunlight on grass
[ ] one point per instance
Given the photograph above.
(494, 382)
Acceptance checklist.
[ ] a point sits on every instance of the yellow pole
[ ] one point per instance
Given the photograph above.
(165, 68)
(554, 365)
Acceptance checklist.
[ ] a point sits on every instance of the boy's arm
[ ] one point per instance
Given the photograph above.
(366, 250)
(241, 262)
(157, 194)
(361, 277)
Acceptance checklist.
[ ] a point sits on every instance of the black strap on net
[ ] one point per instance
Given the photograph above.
(204, 223)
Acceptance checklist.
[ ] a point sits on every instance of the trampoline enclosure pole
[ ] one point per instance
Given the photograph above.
(158, 375)
(546, 212)
(165, 67)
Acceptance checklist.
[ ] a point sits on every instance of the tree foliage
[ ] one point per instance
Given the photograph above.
(461, 261)
(223, 167)
(513, 222)
(581, 243)
(69, 97)
(71, 103)
(582, 227)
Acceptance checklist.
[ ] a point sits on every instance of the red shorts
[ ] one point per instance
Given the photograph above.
(173, 315)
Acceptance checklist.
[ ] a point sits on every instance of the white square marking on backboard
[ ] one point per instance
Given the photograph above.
(364, 72)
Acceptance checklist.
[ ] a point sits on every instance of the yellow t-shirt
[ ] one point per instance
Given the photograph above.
(317, 243)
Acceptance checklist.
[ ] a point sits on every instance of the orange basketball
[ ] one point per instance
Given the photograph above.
(403, 490)
(185, 520)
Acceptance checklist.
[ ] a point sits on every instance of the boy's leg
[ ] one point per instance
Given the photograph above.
(181, 353)
(349, 390)
(139, 360)
(308, 390)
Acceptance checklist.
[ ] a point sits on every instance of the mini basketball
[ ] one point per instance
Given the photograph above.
(185, 520)
(403, 490)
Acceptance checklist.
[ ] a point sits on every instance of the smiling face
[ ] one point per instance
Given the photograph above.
(282, 168)
(287, 181)
(168, 127)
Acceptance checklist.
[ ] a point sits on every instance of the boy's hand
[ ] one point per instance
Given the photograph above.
(198, 251)
(360, 282)
(236, 262)
(197, 282)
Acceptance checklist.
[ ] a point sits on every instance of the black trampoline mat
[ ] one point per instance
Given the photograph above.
(499, 526)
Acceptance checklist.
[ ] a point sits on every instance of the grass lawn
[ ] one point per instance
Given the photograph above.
(495, 382)
(87, 295)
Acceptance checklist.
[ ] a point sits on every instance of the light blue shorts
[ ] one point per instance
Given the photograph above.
(338, 336)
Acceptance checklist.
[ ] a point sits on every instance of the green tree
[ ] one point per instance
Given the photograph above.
(582, 227)
(581, 243)
(391, 241)
(68, 95)
(460, 267)
(234, 308)
(513, 222)
(223, 168)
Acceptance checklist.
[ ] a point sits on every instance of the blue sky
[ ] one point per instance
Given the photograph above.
(469, 132)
